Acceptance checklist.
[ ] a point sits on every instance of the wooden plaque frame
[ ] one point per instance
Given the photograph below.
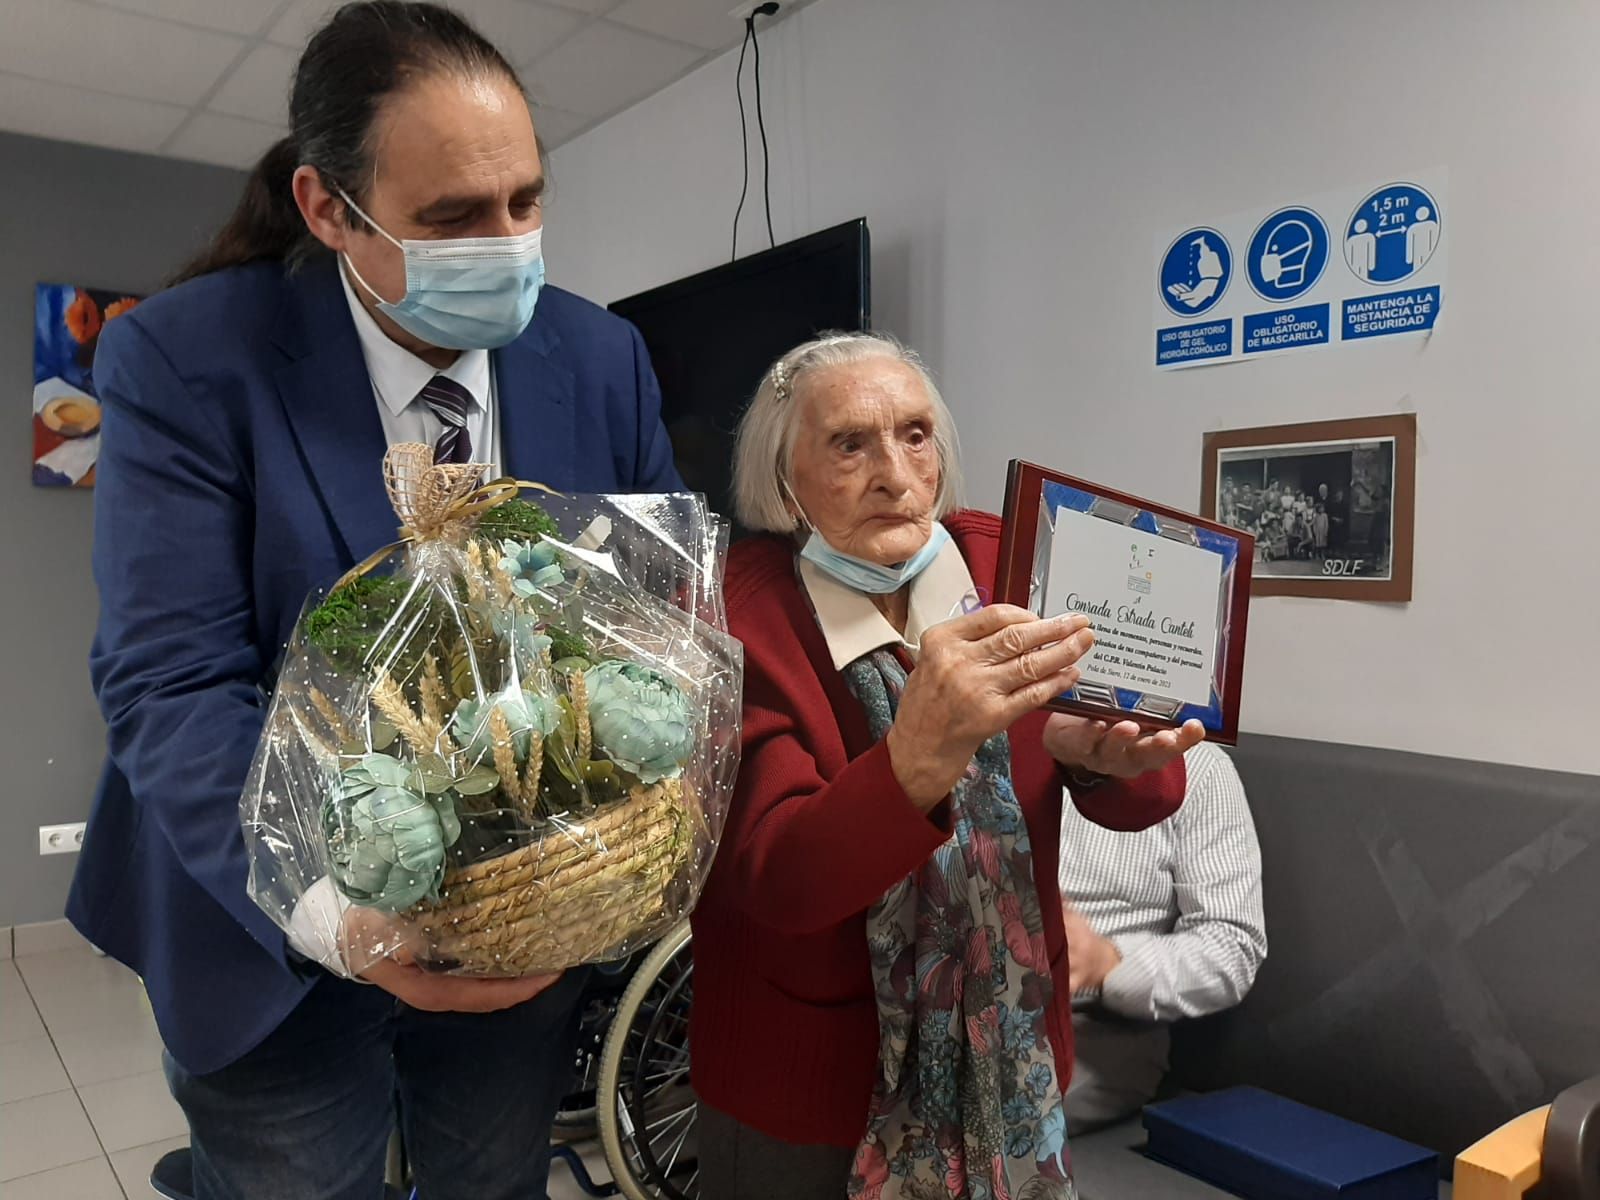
(1025, 506)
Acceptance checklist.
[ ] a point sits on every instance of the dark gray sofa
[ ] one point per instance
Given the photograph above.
(1434, 964)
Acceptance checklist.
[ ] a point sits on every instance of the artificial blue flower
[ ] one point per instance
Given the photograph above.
(386, 835)
(520, 629)
(524, 712)
(532, 566)
(641, 719)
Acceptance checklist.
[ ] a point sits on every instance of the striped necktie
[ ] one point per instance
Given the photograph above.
(450, 402)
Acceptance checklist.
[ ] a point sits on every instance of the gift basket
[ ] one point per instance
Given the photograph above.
(505, 745)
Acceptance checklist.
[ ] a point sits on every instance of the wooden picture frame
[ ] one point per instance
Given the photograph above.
(1332, 504)
(1038, 500)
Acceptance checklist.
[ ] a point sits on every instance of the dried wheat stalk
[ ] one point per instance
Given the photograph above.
(390, 702)
(475, 591)
(431, 691)
(330, 714)
(535, 767)
(505, 755)
(503, 590)
(579, 689)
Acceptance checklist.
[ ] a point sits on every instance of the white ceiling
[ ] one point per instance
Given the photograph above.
(208, 80)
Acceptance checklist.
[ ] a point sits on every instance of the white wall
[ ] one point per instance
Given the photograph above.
(1015, 159)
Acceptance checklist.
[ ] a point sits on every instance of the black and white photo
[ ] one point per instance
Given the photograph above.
(1329, 504)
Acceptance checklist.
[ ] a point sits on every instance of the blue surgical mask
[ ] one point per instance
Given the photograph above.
(870, 577)
(464, 293)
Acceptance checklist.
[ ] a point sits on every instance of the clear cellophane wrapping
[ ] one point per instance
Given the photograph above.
(507, 745)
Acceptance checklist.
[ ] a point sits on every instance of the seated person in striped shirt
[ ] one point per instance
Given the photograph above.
(1161, 925)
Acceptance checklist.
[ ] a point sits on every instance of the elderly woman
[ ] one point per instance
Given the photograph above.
(882, 1002)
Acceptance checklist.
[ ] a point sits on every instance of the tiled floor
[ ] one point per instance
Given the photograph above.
(84, 1109)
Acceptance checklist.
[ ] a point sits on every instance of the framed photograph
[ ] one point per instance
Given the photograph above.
(1168, 592)
(1331, 504)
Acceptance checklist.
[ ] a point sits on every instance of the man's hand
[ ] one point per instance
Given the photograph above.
(1090, 957)
(432, 992)
(1122, 750)
(366, 930)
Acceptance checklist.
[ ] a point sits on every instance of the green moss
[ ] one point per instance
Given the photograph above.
(519, 519)
(564, 644)
(347, 623)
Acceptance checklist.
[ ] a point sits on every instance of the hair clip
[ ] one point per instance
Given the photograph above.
(781, 381)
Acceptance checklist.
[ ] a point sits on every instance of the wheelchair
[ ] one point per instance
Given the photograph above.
(631, 1077)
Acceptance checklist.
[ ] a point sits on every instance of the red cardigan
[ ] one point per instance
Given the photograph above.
(784, 1027)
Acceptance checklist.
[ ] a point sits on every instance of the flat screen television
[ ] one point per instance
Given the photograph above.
(713, 335)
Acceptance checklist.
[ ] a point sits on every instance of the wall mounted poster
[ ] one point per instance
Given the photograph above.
(1330, 503)
(67, 322)
(1302, 273)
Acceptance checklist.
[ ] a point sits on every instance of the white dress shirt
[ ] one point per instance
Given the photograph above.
(1182, 904)
(1180, 901)
(398, 377)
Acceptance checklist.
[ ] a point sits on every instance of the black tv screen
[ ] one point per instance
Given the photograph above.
(713, 335)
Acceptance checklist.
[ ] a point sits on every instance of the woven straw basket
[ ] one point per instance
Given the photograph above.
(567, 898)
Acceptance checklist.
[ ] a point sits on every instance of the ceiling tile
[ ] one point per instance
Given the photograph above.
(226, 141)
(605, 68)
(703, 23)
(229, 16)
(70, 114)
(556, 125)
(520, 30)
(299, 21)
(66, 41)
(258, 88)
(592, 7)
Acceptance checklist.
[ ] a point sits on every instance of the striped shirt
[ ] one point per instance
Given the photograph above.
(1181, 901)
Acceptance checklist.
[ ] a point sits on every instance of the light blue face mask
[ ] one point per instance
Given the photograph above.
(870, 577)
(464, 293)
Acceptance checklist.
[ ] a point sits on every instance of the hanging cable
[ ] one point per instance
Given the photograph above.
(764, 10)
(744, 131)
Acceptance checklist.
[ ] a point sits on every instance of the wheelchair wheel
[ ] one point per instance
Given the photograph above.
(575, 1119)
(644, 1102)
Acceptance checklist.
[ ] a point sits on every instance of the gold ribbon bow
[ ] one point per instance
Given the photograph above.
(433, 500)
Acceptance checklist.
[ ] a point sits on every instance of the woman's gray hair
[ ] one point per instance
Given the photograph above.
(764, 451)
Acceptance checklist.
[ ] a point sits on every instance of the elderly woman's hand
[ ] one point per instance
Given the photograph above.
(1121, 750)
(975, 676)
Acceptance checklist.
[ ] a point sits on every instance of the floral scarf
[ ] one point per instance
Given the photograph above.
(966, 1105)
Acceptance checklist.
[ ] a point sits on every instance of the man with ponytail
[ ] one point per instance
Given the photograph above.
(382, 280)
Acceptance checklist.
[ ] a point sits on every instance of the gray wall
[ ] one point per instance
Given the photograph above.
(98, 218)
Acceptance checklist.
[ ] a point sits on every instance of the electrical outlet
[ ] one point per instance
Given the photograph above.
(61, 839)
(744, 10)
